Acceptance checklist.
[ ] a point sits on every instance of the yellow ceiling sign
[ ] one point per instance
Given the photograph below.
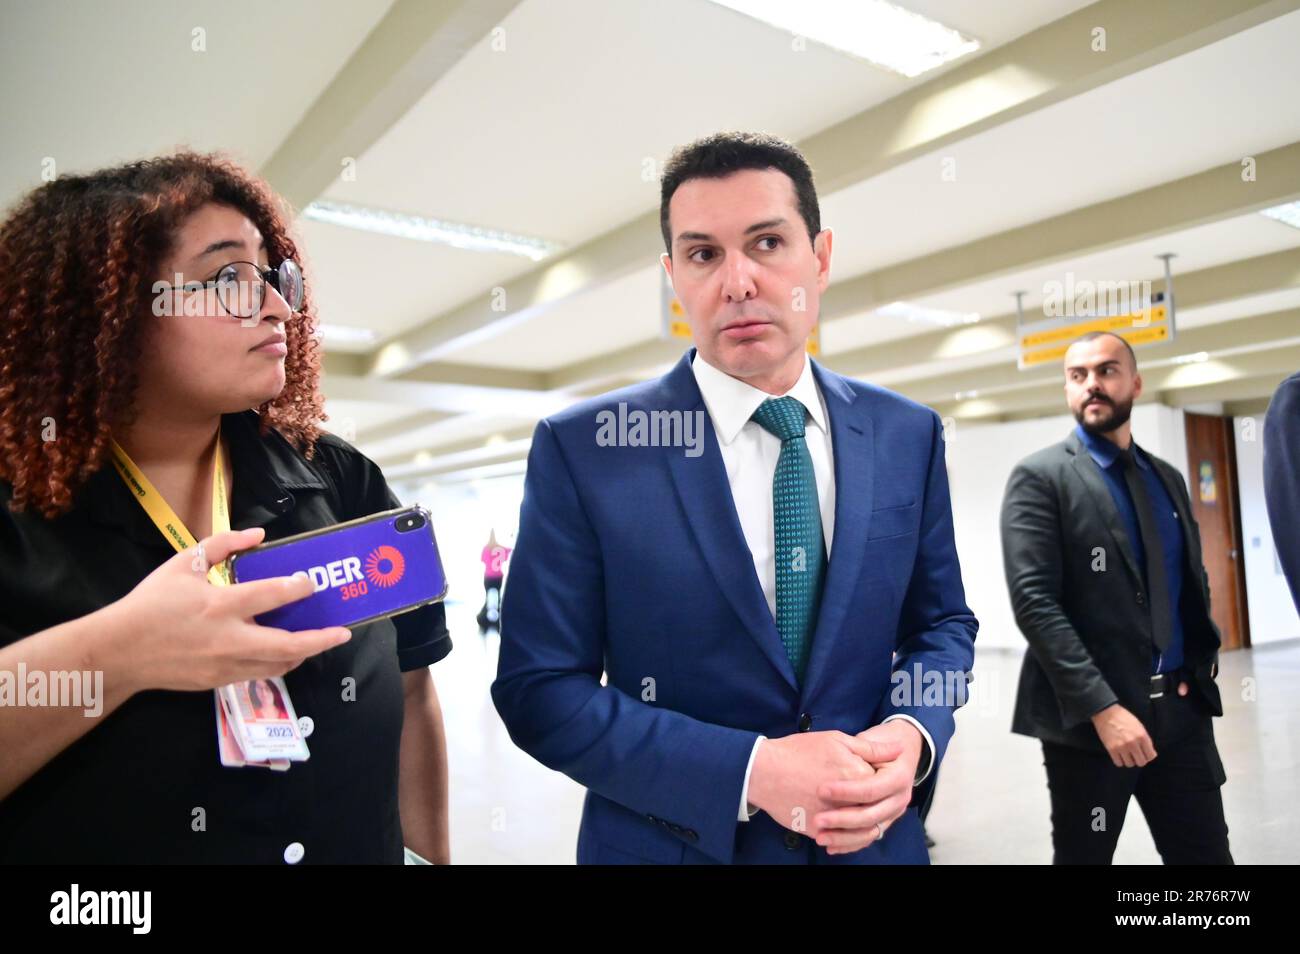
(1072, 309)
(1082, 327)
(1134, 336)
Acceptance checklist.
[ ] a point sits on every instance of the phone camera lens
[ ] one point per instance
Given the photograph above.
(407, 524)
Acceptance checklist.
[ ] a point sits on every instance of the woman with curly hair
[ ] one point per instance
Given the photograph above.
(155, 314)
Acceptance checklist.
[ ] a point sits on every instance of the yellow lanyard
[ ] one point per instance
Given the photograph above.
(161, 513)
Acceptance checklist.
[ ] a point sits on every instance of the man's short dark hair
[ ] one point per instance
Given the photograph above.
(1092, 335)
(721, 154)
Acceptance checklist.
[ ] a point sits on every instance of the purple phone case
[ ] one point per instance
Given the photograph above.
(364, 570)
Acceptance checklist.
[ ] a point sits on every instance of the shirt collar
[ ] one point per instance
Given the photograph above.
(732, 402)
(271, 456)
(267, 469)
(1106, 452)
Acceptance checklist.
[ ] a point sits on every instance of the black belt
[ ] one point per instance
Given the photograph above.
(1167, 682)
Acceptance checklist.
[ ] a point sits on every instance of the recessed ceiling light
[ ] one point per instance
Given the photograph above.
(881, 33)
(1196, 358)
(345, 334)
(929, 316)
(1288, 214)
(421, 229)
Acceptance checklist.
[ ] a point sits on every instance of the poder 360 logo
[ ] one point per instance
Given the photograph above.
(384, 567)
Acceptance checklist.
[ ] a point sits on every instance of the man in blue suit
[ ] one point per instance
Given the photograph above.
(756, 553)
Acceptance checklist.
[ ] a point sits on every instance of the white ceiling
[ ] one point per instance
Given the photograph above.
(348, 417)
(92, 83)
(1137, 132)
(1201, 247)
(623, 312)
(551, 135)
(561, 133)
(627, 311)
(366, 280)
(1006, 177)
(1238, 308)
(980, 346)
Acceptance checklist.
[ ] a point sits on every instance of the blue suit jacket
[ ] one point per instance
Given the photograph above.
(631, 561)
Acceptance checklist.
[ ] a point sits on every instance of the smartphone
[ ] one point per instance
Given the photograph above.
(365, 569)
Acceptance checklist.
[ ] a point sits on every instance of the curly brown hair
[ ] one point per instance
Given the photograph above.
(78, 258)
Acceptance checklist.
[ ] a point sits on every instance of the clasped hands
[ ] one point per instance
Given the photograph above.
(834, 787)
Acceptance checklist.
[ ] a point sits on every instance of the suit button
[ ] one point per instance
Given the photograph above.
(294, 853)
(805, 722)
(791, 841)
(1140, 599)
(651, 819)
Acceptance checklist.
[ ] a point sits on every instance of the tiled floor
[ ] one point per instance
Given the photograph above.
(991, 806)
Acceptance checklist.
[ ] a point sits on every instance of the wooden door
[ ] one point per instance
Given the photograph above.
(1212, 467)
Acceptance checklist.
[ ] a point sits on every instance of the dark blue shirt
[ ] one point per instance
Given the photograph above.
(1106, 454)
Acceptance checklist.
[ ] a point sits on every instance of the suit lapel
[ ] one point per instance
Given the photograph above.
(851, 446)
(1090, 474)
(701, 486)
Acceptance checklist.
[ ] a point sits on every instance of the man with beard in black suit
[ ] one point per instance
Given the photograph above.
(1103, 560)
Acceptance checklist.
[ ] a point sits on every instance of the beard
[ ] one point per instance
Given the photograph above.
(1120, 413)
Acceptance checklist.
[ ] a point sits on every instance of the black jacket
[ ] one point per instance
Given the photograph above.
(126, 791)
(1089, 629)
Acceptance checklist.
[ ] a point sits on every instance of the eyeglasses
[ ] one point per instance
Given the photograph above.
(241, 286)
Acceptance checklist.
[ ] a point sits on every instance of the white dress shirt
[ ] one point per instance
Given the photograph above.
(749, 454)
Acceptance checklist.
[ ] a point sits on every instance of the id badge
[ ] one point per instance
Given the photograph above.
(228, 748)
(262, 719)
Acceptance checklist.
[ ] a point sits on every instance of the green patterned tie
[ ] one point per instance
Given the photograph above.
(800, 549)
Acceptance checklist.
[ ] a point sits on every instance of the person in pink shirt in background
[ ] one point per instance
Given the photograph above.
(494, 570)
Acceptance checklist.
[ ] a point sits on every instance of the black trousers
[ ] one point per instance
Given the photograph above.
(1178, 792)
